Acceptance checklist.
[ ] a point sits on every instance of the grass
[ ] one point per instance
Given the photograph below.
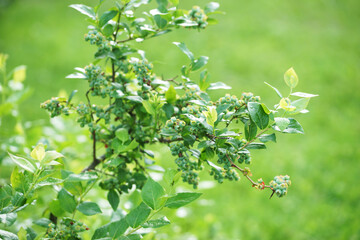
(255, 41)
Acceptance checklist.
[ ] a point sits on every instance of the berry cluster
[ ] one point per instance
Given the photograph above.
(249, 97)
(280, 185)
(68, 229)
(233, 101)
(244, 156)
(198, 15)
(96, 38)
(175, 124)
(142, 69)
(97, 81)
(56, 106)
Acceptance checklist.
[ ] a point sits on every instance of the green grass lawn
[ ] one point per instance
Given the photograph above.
(255, 41)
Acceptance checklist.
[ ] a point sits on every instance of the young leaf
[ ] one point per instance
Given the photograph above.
(113, 199)
(50, 156)
(300, 105)
(122, 134)
(170, 95)
(38, 153)
(199, 63)
(304, 95)
(19, 74)
(156, 223)
(210, 115)
(185, 50)
(67, 201)
(294, 127)
(285, 104)
(89, 208)
(86, 10)
(290, 77)
(152, 193)
(282, 123)
(22, 234)
(106, 17)
(258, 115)
(275, 89)
(138, 215)
(182, 199)
(23, 163)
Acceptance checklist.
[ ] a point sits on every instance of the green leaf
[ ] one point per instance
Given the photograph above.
(152, 193)
(19, 181)
(49, 181)
(169, 110)
(117, 228)
(113, 199)
(294, 127)
(55, 208)
(89, 208)
(275, 89)
(138, 216)
(300, 105)
(67, 201)
(8, 218)
(86, 10)
(38, 153)
(26, 164)
(156, 223)
(149, 107)
(185, 50)
(282, 123)
(8, 235)
(50, 156)
(22, 234)
(210, 115)
(84, 176)
(267, 138)
(111, 230)
(106, 17)
(122, 134)
(290, 77)
(256, 146)
(258, 115)
(304, 95)
(250, 130)
(218, 85)
(160, 22)
(43, 222)
(199, 63)
(182, 199)
(126, 148)
(72, 94)
(162, 3)
(204, 84)
(170, 95)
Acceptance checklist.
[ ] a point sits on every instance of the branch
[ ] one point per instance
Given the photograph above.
(247, 176)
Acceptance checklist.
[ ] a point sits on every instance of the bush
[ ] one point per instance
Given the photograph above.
(129, 108)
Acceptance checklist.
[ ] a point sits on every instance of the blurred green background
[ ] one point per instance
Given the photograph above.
(255, 41)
